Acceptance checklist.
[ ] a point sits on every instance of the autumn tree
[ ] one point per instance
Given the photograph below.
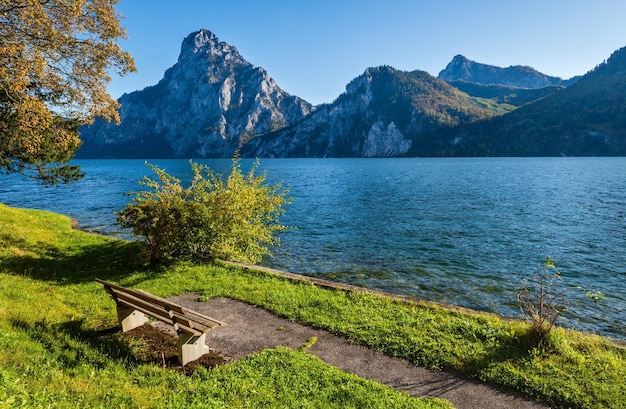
(57, 57)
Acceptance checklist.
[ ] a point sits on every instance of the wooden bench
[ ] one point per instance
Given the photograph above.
(134, 307)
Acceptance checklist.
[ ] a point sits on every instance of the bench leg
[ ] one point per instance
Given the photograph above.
(191, 347)
(130, 318)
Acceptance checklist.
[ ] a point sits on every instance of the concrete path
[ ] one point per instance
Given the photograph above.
(251, 329)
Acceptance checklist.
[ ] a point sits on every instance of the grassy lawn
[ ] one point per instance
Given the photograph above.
(55, 347)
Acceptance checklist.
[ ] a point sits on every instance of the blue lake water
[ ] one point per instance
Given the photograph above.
(459, 231)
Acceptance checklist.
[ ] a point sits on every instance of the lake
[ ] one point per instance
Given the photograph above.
(458, 231)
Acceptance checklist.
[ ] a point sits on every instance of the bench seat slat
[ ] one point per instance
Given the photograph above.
(171, 317)
(203, 319)
(163, 302)
(179, 323)
(194, 323)
(134, 301)
(193, 331)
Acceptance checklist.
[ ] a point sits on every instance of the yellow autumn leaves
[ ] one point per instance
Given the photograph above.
(56, 59)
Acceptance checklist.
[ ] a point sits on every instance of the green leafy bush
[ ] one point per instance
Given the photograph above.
(233, 218)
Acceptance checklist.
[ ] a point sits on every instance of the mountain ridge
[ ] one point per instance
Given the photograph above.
(520, 76)
(380, 114)
(212, 103)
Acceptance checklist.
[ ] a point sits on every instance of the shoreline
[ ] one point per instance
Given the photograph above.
(333, 285)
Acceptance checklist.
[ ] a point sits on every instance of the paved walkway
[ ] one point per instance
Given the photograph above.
(251, 329)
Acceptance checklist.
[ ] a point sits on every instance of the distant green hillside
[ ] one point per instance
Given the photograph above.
(503, 94)
(584, 119)
(426, 95)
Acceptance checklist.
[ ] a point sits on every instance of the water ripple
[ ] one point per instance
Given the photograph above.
(459, 231)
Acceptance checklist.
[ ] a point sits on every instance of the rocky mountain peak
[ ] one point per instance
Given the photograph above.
(208, 104)
(459, 64)
(204, 44)
(200, 39)
(459, 61)
(361, 84)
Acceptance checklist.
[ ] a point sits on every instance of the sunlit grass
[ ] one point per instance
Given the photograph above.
(52, 315)
(573, 369)
(57, 348)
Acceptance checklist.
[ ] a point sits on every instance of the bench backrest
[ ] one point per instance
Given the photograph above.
(182, 319)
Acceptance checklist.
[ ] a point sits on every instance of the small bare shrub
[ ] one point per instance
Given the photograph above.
(540, 300)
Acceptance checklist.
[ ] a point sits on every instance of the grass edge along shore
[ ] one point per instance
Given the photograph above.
(53, 351)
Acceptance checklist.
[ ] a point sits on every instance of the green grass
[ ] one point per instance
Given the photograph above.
(574, 370)
(54, 346)
(57, 348)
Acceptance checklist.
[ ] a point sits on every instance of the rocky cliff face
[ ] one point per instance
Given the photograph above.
(460, 68)
(210, 103)
(382, 113)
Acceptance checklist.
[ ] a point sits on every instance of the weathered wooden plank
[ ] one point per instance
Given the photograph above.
(158, 312)
(191, 322)
(203, 319)
(163, 302)
(179, 323)
(131, 301)
(193, 331)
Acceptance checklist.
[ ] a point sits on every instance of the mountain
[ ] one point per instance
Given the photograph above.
(460, 68)
(587, 118)
(381, 114)
(211, 102)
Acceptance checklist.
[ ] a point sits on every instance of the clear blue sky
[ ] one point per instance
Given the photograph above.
(314, 48)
